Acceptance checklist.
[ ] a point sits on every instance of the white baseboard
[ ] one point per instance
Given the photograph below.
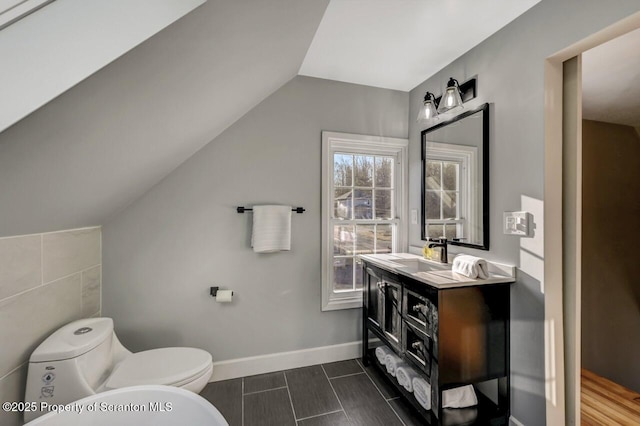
(241, 367)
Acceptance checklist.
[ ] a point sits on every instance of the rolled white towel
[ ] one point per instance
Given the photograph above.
(405, 376)
(471, 266)
(464, 396)
(422, 392)
(392, 361)
(381, 354)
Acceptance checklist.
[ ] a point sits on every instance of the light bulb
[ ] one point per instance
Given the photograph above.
(428, 110)
(451, 98)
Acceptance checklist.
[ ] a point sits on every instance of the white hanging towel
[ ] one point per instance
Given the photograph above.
(271, 229)
(471, 266)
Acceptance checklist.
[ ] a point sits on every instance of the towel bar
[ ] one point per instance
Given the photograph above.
(246, 209)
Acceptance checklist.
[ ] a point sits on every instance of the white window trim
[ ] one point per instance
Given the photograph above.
(332, 142)
(467, 155)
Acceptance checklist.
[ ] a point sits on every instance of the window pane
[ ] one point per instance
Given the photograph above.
(434, 231)
(451, 231)
(365, 238)
(449, 205)
(363, 204)
(450, 176)
(359, 276)
(342, 203)
(384, 172)
(363, 167)
(384, 239)
(343, 274)
(343, 240)
(342, 170)
(383, 203)
(432, 176)
(433, 205)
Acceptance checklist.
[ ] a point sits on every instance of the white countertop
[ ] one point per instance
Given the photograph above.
(436, 274)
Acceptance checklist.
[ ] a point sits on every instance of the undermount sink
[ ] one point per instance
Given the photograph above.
(419, 265)
(435, 274)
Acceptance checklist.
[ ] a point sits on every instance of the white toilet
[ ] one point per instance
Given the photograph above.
(85, 357)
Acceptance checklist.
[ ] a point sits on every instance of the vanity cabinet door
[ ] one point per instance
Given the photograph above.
(391, 312)
(373, 296)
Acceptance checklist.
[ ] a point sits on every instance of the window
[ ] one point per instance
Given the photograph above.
(448, 201)
(364, 179)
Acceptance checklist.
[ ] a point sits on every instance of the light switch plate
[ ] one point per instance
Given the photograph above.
(414, 216)
(518, 223)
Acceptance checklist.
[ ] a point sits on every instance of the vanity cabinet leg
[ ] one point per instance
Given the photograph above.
(365, 337)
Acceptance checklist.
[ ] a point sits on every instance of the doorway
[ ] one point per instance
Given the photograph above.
(610, 290)
(565, 262)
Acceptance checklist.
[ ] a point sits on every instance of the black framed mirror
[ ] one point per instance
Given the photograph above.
(455, 180)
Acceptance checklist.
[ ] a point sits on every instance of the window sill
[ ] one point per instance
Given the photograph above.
(338, 304)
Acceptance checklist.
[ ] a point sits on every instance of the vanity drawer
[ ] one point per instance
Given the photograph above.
(420, 312)
(418, 347)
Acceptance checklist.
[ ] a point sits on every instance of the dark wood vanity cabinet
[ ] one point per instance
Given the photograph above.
(452, 337)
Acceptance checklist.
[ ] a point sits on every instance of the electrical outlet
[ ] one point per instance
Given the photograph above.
(518, 223)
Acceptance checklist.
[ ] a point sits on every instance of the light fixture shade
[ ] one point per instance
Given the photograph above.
(451, 99)
(428, 110)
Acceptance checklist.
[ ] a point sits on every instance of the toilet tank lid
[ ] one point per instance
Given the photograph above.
(73, 340)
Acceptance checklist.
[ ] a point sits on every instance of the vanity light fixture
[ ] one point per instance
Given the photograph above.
(456, 94)
(429, 110)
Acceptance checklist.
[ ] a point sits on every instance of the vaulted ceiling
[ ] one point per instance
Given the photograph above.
(399, 44)
(99, 146)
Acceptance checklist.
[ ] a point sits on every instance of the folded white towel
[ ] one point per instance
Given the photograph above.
(392, 362)
(460, 416)
(464, 396)
(271, 229)
(381, 354)
(422, 392)
(471, 266)
(405, 376)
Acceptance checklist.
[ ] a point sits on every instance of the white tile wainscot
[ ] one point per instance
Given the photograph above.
(46, 280)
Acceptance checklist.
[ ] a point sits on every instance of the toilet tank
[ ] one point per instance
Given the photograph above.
(88, 341)
(70, 364)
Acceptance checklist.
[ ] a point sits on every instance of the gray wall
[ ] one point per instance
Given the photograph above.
(510, 70)
(163, 252)
(105, 142)
(610, 286)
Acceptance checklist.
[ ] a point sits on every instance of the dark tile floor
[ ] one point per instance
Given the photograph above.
(337, 394)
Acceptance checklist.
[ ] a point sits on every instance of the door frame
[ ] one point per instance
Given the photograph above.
(562, 373)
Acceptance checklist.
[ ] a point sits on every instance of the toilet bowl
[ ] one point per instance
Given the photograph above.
(151, 405)
(85, 357)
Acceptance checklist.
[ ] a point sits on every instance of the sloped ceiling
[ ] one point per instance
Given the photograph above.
(93, 150)
(611, 81)
(399, 44)
(96, 148)
(55, 47)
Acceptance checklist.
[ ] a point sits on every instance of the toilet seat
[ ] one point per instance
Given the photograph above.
(166, 366)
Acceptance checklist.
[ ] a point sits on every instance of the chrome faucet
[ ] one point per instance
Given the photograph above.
(442, 243)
